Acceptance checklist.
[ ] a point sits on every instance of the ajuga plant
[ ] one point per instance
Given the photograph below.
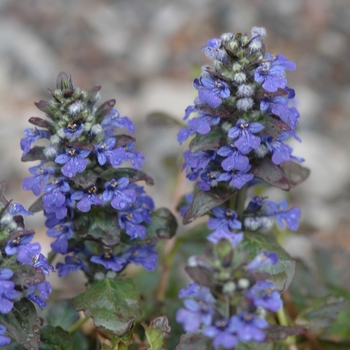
(100, 218)
(242, 116)
(23, 270)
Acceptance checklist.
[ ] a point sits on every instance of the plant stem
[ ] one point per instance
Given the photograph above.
(241, 197)
(77, 325)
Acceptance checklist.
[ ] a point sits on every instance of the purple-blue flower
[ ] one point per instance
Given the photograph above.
(41, 176)
(74, 161)
(244, 132)
(86, 199)
(202, 125)
(3, 340)
(42, 264)
(280, 151)
(291, 217)
(130, 220)
(271, 73)
(136, 158)
(109, 261)
(224, 220)
(7, 291)
(114, 121)
(233, 238)
(25, 250)
(193, 290)
(184, 134)
(142, 255)
(38, 293)
(62, 233)
(18, 209)
(236, 178)
(248, 327)
(263, 259)
(211, 90)
(31, 136)
(195, 314)
(222, 332)
(105, 151)
(234, 158)
(264, 294)
(70, 263)
(73, 130)
(198, 160)
(119, 193)
(213, 50)
(209, 179)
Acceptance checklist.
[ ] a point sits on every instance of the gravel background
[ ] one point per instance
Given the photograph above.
(143, 53)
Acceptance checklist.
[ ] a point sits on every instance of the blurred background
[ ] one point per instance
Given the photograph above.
(144, 53)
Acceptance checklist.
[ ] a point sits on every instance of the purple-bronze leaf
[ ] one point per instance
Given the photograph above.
(276, 332)
(40, 122)
(295, 172)
(272, 174)
(211, 141)
(35, 153)
(104, 109)
(81, 145)
(274, 126)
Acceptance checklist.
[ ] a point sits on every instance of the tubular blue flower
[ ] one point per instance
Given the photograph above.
(202, 125)
(193, 290)
(264, 294)
(184, 134)
(42, 264)
(198, 160)
(189, 199)
(119, 192)
(3, 340)
(62, 232)
(71, 263)
(74, 161)
(248, 327)
(31, 136)
(7, 291)
(279, 212)
(130, 220)
(18, 209)
(211, 90)
(25, 250)
(263, 259)
(210, 179)
(222, 332)
(195, 314)
(234, 158)
(271, 73)
(236, 178)
(136, 158)
(109, 261)
(114, 121)
(233, 238)
(73, 130)
(38, 293)
(106, 151)
(244, 132)
(213, 51)
(280, 151)
(86, 199)
(41, 176)
(225, 219)
(142, 255)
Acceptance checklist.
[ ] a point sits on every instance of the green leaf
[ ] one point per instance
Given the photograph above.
(162, 119)
(85, 179)
(35, 153)
(62, 314)
(192, 341)
(163, 226)
(23, 324)
(157, 331)
(274, 126)
(113, 305)
(211, 141)
(295, 173)
(37, 206)
(132, 174)
(282, 273)
(271, 173)
(64, 81)
(261, 346)
(55, 338)
(100, 225)
(203, 201)
(321, 313)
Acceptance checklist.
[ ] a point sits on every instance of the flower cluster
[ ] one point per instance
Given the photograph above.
(96, 213)
(22, 265)
(234, 279)
(243, 116)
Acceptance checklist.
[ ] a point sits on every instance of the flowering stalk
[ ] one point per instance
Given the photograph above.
(242, 120)
(100, 218)
(23, 270)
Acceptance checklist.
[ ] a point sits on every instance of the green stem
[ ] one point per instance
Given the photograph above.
(241, 197)
(283, 321)
(77, 325)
